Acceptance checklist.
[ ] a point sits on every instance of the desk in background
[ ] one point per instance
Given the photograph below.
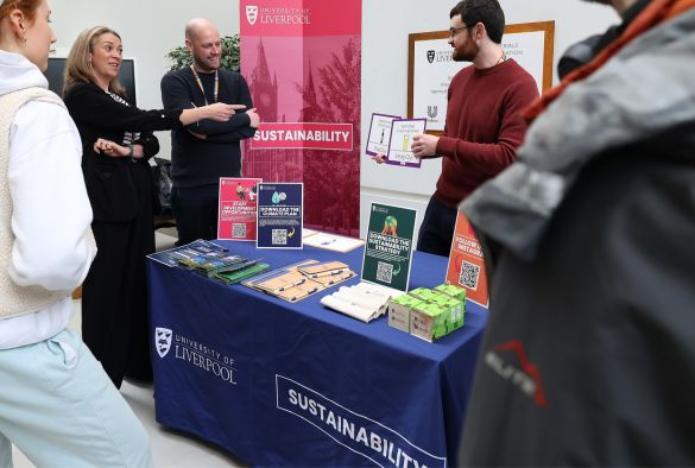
(276, 383)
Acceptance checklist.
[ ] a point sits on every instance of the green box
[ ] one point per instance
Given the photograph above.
(459, 294)
(428, 314)
(455, 308)
(422, 294)
(428, 321)
(456, 292)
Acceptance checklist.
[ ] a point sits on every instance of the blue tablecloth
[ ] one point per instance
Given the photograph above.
(276, 383)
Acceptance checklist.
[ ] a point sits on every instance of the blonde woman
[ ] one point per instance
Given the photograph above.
(56, 402)
(117, 142)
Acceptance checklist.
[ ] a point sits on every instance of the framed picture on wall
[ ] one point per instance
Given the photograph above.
(431, 68)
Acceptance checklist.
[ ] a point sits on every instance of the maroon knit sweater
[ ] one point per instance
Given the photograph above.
(483, 127)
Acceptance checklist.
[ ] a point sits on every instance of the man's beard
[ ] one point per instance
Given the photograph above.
(466, 53)
(204, 66)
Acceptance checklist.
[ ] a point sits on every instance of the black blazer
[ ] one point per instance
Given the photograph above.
(110, 181)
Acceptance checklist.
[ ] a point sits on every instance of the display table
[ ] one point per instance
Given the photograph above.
(276, 383)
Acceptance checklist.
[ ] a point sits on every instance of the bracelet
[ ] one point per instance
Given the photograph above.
(130, 152)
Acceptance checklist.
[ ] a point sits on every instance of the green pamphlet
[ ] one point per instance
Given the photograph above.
(388, 251)
(238, 275)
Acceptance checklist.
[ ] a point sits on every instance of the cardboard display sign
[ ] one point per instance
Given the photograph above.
(237, 206)
(466, 264)
(280, 216)
(388, 254)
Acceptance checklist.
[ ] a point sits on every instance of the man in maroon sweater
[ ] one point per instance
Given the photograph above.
(483, 122)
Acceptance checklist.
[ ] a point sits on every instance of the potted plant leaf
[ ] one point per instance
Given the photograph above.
(180, 57)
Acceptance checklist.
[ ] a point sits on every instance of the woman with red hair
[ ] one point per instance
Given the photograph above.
(56, 402)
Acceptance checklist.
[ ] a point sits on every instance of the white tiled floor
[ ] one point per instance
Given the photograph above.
(169, 449)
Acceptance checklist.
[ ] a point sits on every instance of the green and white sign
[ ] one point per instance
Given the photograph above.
(389, 248)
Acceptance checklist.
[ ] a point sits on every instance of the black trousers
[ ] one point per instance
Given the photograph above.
(115, 323)
(437, 228)
(195, 209)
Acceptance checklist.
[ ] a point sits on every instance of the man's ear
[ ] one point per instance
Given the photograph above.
(479, 31)
(188, 45)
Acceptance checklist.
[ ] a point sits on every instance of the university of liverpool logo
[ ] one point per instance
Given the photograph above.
(430, 56)
(162, 341)
(251, 14)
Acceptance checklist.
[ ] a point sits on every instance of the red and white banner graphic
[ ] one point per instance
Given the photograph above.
(303, 135)
(302, 62)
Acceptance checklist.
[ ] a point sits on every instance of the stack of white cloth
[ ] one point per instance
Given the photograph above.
(363, 301)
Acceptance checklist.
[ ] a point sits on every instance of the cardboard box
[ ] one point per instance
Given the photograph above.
(429, 314)
(459, 294)
(455, 308)
(442, 315)
(399, 309)
(422, 294)
(454, 291)
(428, 321)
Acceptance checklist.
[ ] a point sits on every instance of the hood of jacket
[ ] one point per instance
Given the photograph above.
(16, 72)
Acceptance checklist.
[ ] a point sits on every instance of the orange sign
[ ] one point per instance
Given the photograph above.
(466, 263)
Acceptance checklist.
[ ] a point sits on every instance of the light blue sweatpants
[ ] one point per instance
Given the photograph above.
(58, 406)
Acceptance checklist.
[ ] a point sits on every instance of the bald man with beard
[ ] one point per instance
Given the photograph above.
(589, 354)
(206, 151)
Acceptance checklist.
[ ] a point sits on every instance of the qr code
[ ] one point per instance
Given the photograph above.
(469, 275)
(279, 236)
(238, 230)
(384, 272)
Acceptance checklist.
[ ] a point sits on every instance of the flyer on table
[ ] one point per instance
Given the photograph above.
(466, 264)
(380, 133)
(388, 253)
(402, 133)
(237, 206)
(325, 240)
(280, 215)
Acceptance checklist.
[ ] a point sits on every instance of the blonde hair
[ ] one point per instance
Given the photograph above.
(78, 68)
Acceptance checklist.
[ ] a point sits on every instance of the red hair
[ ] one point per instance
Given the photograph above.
(28, 7)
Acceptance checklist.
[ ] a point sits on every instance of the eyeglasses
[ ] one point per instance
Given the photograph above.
(455, 31)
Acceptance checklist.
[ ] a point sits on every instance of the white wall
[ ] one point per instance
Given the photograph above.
(150, 28)
(386, 25)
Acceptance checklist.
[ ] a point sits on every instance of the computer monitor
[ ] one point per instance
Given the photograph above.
(56, 67)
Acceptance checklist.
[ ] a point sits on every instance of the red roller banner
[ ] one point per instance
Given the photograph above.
(302, 61)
